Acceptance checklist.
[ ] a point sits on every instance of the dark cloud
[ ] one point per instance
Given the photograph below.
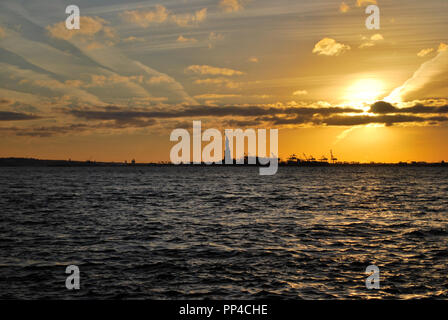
(421, 109)
(382, 107)
(205, 111)
(114, 117)
(15, 116)
(5, 101)
(48, 131)
(381, 119)
(246, 116)
(241, 123)
(285, 121)
(42, 131)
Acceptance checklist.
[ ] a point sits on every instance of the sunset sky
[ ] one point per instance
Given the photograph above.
(136, 70)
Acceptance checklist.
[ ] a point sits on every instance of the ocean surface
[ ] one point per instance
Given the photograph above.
(224, 232)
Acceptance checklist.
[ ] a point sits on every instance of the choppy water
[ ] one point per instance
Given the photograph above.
(174, 233)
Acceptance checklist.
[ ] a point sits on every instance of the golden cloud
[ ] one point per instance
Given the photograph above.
(231, 5)
(330, 47)
(216, 96)
(204, 70)
(377, 37)
(219, 81)
(133, 39)
(253, 59)
(90, 26)
(300, 93)
(360, 3)
(344, 7)
(160, 79)
(425, 52)
(161, 15)
(370, 43)
(146, 18)
(102, 80)
(213, 36)
(185, 20)
(181, 38)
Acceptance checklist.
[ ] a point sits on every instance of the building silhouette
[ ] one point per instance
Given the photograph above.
(228, 153)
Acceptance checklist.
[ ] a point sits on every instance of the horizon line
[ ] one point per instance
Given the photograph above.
(281, 162)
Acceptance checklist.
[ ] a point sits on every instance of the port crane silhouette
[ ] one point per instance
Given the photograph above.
(310, 158)
(333, 158)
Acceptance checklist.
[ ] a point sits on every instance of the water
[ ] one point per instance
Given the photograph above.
(223, 233)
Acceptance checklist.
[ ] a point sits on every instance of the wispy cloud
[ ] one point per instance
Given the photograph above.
(430, 80)
(344, 134)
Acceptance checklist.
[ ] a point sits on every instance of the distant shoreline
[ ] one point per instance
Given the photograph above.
(31, 162)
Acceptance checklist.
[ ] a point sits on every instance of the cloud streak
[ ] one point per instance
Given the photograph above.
(431, 79)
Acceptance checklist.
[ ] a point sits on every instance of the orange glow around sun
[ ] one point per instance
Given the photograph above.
(364, 91)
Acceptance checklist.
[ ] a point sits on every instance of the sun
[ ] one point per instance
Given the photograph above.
(364, 91)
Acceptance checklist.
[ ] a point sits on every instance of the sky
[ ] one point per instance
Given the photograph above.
(136, 70)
